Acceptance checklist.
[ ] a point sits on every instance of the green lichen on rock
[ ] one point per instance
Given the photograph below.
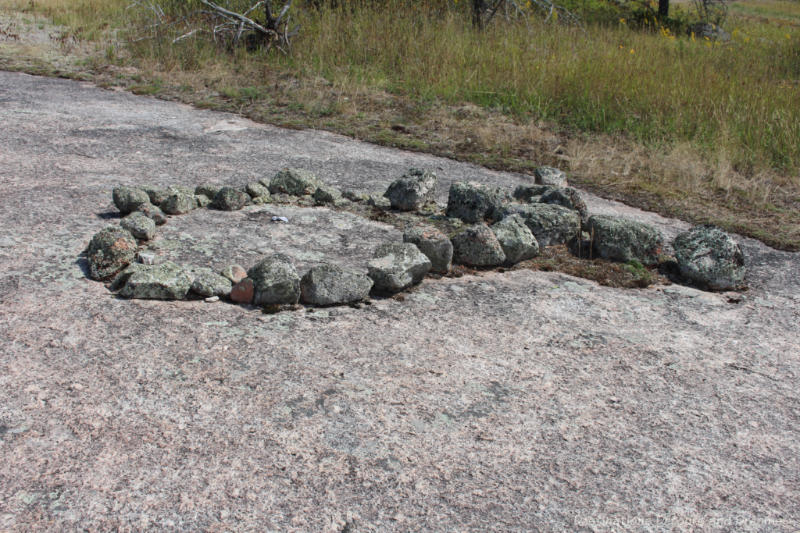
(477, 246)
(333, 285)
(550, 224)
(326, 195)
(412, 190)
(711, 258)
(166, 281)
(179, 203)
(230, 199)
(257, 190)
(397, 266)
(625, 240)
(516, 239)
(110, 250)
(474, 202)
(139, 225)
(128, 199)
(294, 181)
(275, 281)
(434, 244)
(206, 282)
(209, 191)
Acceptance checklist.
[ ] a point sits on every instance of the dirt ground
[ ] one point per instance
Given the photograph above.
(516, 401)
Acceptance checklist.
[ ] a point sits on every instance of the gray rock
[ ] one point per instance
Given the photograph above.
(257, 190)
(325, 194)
(531, 193)
(235, 273)
(206, 282)
(474, 202)
(230, 199)
(569, 198)
(710, 257)
(146, 258)
(332, 285)
(275, 281)
(129, 199)
(157, 195)
(178, 203)
(294, 181)
(122, 278)
(397, 266)
(180, 189)
(154, 213)
(201, 200)
(477, 246)
(209, 191)
(412, 190)
(550, 176)
(434, 244)
(550, 224)
(166, 281)
(139, 225)
(622, 239)
(380, 202)
(355, 196)
(516, 239)
(110, 250)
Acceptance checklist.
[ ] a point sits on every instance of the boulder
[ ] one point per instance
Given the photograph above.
(355, 196)
(129, 199)
(178, 203)
(711, 258)
(235, 273)
(154, 213)
(325, 194)
(516, 239)
(550, 224)
(201, 200)
(379, 202)
(275, 281)
(294, 181)
(474, 202)
(110, 250)
(477, 246)
(434, 244)
(550, 176)
(230, 199)
(569, 198)
(242, 292)
(622, 239)
(157, 195)
(206, 282)
(397, 266)
(209, 191)
(412, 190)
(257, 190)
(166, 281)
(531, 193)
(332, 285)
(139, 225)
(122, 278)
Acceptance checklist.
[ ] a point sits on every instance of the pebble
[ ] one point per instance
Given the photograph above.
(212, 299)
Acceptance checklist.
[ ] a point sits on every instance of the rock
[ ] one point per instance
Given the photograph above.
(294, 181)
(550, 224)
(379, 202)
(434, 244)
(326, 194)
(178, 203)
(201, 200)
(531, 193)
(581, 245)
(569, 198)
(242, 292)
(129, 199)
(166, 281)
(230, 199)
(516, 239)
(146, 258)
(122, 278)
(257, 190)
(180, 189)
(477, 246)
(139, 225)
(110, 250)
(710, 257)
(206, 282)
(275, 281)
(355, 196)
(209, 191)
(622, 239)
(397, 266)
(474, 202)
(154, 213)
(211, 299)
(550, 176)
(157, 195)
(332, 285)
(235, 273)
(412, 190)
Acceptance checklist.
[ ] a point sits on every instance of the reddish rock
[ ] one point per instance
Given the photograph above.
(235, 273)
(242, 292)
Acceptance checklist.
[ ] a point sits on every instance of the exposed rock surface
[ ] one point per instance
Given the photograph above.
(294, 181)
(550, 224)
(325, 194)
(550, 176)
(569, 198)
(397, 266)
(531, 193)
(477, 246)
(516, 239)
(206, 282)
(139, 225)
(330, 284)
(412, 190)
(129, 199)
(434, 244)
(257, 190)
(166, 281)
(275, 281)
(475, 202)
(230, 199)
(622, 239)
(154, 213)
(109, 251)
(178, 203)
(710, 257)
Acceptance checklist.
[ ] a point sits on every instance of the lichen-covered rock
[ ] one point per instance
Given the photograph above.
(379, 202)
(516, 239)
(710, 257)
(550, 224)
(110, 250)
(434, 244)
(397, 266)
(332, 285)
(474, 202)
(178, 203)
(412, 190)
(550, 176)
(622, 239)
(355, 196)
(275, 281)
(230, 199)
(154, 213)
(128, 199)
(201, 200)
(477, 246)
(531, 193)
(294, 181)
(206, 282)
(122, 278)
(257, 190)
(156, 194)
(569, 198)
(139, 225)
(166, 281)
(209, 191)
(325, 194)
(235, 273)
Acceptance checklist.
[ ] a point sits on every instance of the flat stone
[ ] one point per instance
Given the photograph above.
(412, 190)
(516, 239)
(711, 258)
(550, 224)
(211, 299)
(475, 202)
(477, 246)
(128, 199)
(110, 250)
(243, 291)
(622, 239)
(333, 285)
(139, 225)
(166, 281)
(294, 181)
(275, 280)
(550, 176)
(230, 199)
(206, 282)
(397, 266)
(434, 244)
(235, 273)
